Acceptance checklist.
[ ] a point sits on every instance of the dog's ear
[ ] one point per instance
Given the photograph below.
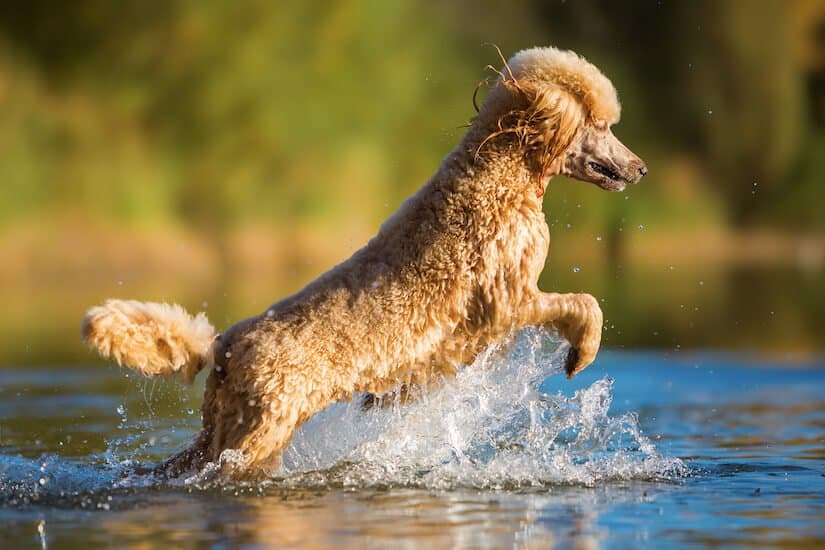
(556, 117)
(540, 118)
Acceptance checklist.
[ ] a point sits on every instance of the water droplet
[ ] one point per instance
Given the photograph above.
(576, 269)
(569, 226)
(672, 267)
(710, 111)
(641, 227)
(204, 304)
(599, 237)
(190, 412)
(269, 313)
(121, 410)
(120, 283)
(228, 354)
(701, 283)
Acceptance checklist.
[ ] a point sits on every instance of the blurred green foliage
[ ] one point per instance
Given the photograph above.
(227, 152)
(218, 112)
(223, 111)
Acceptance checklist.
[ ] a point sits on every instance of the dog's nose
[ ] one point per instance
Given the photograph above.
(643, 170)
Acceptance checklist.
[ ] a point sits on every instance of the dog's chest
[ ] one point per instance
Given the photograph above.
(516, 253)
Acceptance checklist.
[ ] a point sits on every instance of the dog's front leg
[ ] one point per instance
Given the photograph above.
(577, 317)
(423, 377)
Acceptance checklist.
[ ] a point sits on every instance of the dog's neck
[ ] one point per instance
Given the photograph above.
(499, 169)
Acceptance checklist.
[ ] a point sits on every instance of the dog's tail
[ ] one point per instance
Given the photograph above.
(151, 338)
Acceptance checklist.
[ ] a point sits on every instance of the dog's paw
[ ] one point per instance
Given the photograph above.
(578, 360)
(370, 400)
(399, 396)
(584, 332)
(571, 361)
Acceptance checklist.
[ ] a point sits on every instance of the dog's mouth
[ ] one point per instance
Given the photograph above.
(612, 180)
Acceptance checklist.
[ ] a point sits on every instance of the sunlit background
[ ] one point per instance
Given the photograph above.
(223, 154)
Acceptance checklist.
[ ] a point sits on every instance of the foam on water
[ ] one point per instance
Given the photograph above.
(495, 425)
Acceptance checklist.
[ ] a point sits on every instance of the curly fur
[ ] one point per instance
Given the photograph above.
(453, 270)
(151, 338)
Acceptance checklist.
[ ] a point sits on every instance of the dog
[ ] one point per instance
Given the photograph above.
(452, 271)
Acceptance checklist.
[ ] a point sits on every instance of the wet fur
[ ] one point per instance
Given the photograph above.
(453, 270)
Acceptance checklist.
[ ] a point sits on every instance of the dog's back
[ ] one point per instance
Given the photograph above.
(444, 277)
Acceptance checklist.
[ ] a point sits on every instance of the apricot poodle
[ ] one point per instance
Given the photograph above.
(452, 271)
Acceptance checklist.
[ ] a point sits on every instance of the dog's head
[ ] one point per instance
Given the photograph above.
(560, 109)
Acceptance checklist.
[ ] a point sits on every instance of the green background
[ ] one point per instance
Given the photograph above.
(223, 154)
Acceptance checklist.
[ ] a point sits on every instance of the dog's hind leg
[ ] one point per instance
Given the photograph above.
(259, 427)
(577, 318)
(261, 447)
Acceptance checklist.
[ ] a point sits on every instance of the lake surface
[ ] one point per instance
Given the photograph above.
(642, 449)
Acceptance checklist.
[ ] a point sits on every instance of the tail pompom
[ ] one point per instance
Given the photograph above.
(151, 338)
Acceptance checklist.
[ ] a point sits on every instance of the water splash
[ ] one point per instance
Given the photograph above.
(495, 425)
(56, 481)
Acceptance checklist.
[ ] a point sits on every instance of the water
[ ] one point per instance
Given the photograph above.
(656, 448)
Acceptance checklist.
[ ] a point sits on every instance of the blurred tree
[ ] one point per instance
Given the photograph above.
(249, 110)
(195, 96)
(727, 79)
(234, 119)
(748, 99)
